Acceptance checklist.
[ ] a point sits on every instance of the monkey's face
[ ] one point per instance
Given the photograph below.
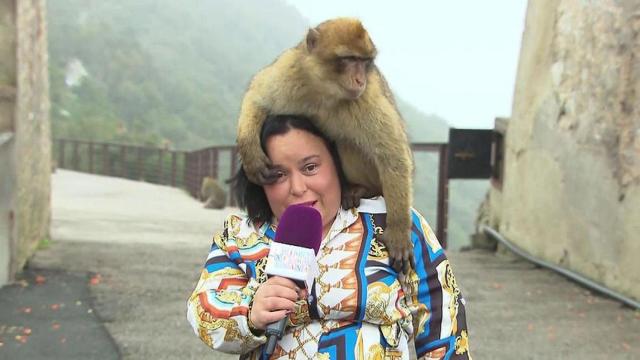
(352, 74)
(343, 54)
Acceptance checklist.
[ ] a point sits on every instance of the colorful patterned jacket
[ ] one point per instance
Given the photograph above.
(357, 308)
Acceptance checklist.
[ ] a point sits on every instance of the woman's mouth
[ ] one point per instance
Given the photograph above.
(308, 203)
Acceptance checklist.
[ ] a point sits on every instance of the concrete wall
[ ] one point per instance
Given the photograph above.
(571, 192)
(25, 144)
(7, 105)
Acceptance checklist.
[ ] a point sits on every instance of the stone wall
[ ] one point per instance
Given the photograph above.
(25, 139)
(7, 105)
(571, 190)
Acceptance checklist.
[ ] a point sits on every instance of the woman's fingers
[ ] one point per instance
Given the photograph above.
(269, 317)
(279, 280)
(278, 303)
(280, 291)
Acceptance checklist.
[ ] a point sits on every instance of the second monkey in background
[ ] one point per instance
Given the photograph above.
(331, 78)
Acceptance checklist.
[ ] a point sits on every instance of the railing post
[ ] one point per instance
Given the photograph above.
(160, 178)
(106, 169)
(199, 175)
(234, 166)
(123, 161)
(189, 171)
(91, 157)
(234, 161)
(61, 143)
(173, 168)
(443, 196)
(75, 161)
(213, 163)
(140, 165)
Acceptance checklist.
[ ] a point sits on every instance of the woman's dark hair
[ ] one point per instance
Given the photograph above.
(251, 196)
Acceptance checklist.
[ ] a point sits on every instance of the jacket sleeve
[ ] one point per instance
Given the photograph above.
(434, 299)
(218, 307)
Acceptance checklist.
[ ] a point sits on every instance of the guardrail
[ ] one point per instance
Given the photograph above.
(186, 169)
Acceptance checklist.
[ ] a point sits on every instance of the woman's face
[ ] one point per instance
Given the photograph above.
(306, 174)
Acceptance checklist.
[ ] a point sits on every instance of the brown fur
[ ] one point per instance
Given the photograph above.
(212, 194)
(318, 78)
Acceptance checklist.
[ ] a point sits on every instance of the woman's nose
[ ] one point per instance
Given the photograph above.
(298, 184)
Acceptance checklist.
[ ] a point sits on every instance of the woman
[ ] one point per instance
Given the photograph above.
(357, 306)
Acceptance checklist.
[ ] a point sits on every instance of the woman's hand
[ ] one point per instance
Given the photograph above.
(274, 299)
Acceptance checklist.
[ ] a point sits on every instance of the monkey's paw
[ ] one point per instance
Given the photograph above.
(351, 197)
(258, 169)
(400, 248)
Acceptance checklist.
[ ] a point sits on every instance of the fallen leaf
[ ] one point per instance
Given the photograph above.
(496, 286)
(95, 280)
(626, 346)
(26, 331)
(25, 310)
(530, 327)
(40, 279)
(1, 344)
(21, 338)
(55, 307)
(63, 340)
(55, 326)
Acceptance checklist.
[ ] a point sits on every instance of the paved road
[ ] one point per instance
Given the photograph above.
(148, 242)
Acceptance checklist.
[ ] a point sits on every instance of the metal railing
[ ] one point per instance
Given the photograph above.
(155, 165)
(186, 169)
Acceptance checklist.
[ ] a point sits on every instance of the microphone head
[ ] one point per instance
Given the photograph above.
(300, 225)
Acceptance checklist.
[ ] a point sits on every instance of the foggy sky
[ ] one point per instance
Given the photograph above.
(456, 59)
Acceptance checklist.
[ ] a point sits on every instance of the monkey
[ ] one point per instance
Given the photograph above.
(330, 77)
(212, 194)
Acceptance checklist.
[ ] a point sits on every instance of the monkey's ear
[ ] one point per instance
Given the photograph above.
(312, 39)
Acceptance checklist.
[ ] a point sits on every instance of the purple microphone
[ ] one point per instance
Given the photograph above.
(300, 225)
(293, 255)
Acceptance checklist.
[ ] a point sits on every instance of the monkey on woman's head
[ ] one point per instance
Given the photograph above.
(331, 78)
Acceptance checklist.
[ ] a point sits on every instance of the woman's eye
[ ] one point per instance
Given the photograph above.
(310, 167)
(277, 176)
